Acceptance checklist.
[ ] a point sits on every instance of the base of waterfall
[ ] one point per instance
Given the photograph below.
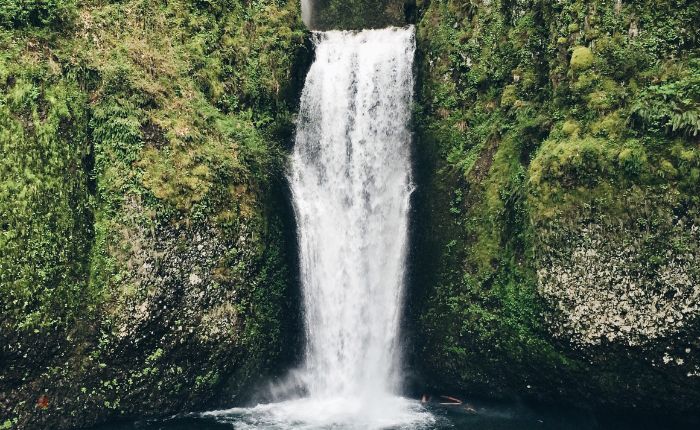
(337, 413)
(397, 413)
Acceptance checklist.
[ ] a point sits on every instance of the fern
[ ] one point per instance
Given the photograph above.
(673, 106)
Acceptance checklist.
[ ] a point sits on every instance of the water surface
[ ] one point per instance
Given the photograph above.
(471, 416)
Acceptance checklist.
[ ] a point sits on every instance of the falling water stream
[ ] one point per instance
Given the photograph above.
(351, 183)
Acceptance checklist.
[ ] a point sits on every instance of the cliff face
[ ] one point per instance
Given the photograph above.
(145, 267)
(559, 164)
(358, 14)
(147, 259)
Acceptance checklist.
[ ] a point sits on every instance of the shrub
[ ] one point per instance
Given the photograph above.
(36, 13)
(672, 106)
(509, 96)
(633, 159)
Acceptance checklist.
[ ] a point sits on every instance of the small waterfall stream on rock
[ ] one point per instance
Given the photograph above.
(351, 185)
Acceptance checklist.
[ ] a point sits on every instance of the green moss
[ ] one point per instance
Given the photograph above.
(126, 154)
(667, 170)
(581, 58)
(570, 128)
(509, 96)
(590, 139)
(633, 159)
(46, 232)
(611, 125)
(571, 162)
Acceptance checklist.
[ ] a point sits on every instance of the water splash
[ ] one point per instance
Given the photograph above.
(335, 413)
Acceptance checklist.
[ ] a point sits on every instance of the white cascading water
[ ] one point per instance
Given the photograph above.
(351, 183)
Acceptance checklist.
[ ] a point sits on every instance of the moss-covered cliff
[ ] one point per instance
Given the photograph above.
(558, 159)
(145, 267)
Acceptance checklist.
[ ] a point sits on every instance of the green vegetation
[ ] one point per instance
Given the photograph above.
(143, 252)
(581, 58)
(37, 13)
(46, 222)
(544, 121)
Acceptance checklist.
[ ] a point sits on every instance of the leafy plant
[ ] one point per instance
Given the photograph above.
(672, 106)
(36, 13)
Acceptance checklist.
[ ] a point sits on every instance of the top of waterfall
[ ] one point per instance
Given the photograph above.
(355, 14)
(322, 35)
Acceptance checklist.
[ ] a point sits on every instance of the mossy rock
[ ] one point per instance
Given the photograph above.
(581, 58)
(594, 167)
(147, 266)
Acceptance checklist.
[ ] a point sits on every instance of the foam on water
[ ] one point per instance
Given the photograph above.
(332, 413)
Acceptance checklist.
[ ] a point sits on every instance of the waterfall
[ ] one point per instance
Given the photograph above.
(350, 177)
(307, 9)
(351, 184)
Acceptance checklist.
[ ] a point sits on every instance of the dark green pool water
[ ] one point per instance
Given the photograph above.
(475, 416)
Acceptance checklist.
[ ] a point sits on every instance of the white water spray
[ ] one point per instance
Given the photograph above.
(351, 184)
